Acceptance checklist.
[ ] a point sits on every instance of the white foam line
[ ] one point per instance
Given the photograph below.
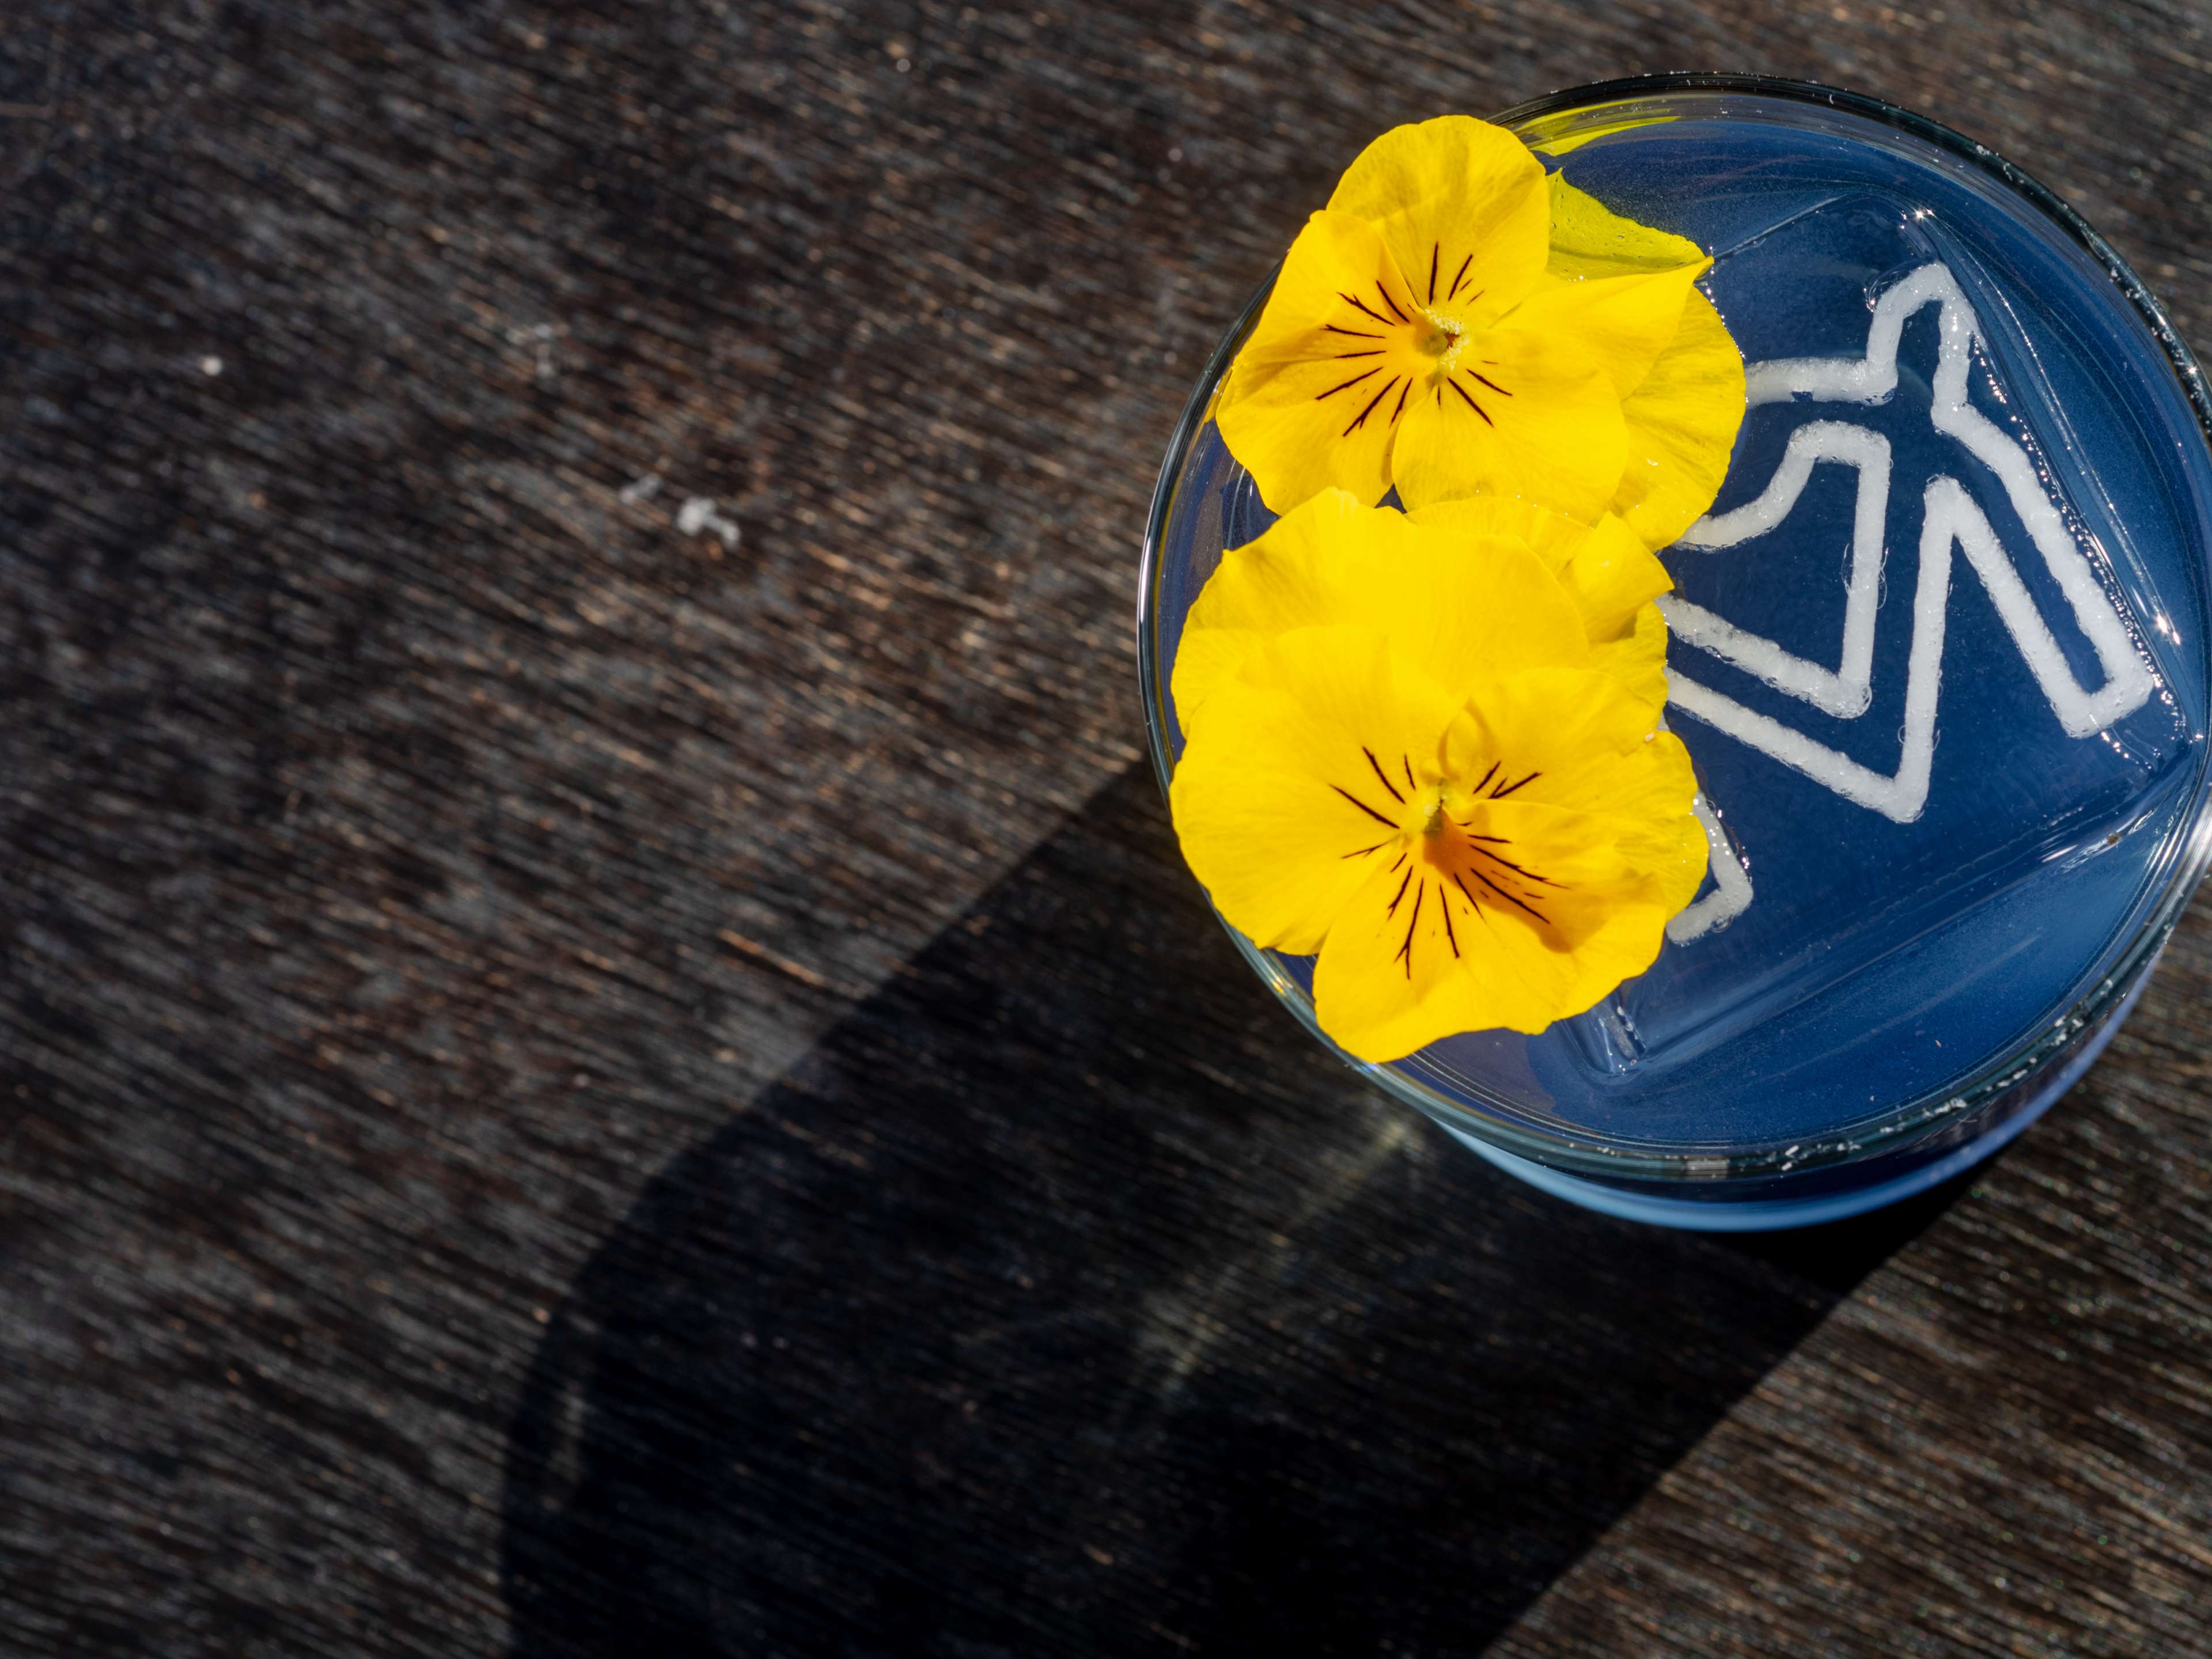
(1845, 690)
(1901, 795)
(2128, 680)
(1949, 516)
(1731, 894)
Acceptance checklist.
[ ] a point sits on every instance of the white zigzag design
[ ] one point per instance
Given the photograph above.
(1731, 894)
(1949, 517)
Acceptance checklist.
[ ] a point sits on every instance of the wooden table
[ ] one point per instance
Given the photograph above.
(608, 1052)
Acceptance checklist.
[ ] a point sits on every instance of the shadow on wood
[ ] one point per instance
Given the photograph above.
(1067, 1298)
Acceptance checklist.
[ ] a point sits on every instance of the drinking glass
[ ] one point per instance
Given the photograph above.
(1940, 652)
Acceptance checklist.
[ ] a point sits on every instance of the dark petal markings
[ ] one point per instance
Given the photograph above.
(1360, 419)
(1365, 309)
(1468, 399)
(1354, 380)
(1398, 897)
(1383, 775)
(1362, 805)
(1411, 922)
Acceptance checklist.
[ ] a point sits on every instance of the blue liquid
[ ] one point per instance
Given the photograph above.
(1884, 958)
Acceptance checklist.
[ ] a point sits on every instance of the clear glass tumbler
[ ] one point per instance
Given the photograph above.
(1940, 653)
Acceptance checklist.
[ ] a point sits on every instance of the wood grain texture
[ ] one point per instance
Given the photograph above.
(456, 920)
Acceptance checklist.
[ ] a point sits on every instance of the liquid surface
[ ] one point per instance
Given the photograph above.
(1938, 648)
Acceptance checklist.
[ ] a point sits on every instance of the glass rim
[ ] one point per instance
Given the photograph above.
(1883, 1134)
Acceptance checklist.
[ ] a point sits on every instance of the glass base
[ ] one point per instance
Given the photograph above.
(1721, 1215)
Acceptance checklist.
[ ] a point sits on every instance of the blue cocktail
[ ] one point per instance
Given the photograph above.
(1940, 656)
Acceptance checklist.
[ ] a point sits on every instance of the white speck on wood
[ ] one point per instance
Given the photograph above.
(698, 513)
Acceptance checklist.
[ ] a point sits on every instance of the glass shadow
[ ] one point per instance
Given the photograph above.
(1069, 1298)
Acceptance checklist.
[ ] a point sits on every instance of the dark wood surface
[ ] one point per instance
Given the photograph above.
(599, 1066)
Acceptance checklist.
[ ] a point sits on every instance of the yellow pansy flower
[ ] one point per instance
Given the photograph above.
(1429, 776)
(1420, 338)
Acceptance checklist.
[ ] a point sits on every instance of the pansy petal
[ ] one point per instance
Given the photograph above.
(1295, 776)
(1613, 883)
(1682, 423)
(1623, 322)
(1309, 569)
(1422, 952)
(1551, 536)
(1637, 660)
(1455, 608)
(1609, 890)
(1450, 603)
(1312, 400)
(1588, 238)
(1463, 206)
(1631, 926)
(1611, 577)
(1543, 423)
(1573, 739)
(1592, 860)
(1606, 569)
(1573, 135)
(1683, 415)
(1587, 838)
(1274, 583)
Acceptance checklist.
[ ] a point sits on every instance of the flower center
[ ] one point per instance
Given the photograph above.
(1441, 337)
(1475, 870)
